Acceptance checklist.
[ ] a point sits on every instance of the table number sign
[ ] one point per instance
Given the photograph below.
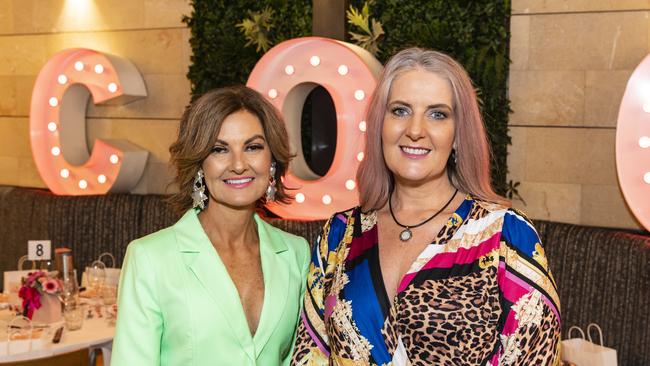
(38, 250)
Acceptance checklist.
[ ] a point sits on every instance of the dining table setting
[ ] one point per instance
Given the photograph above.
(45, 312)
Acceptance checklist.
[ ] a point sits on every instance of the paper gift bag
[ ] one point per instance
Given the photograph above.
(12, 281)
(584, 352)
(111, 274)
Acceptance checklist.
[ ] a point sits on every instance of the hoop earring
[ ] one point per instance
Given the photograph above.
(199, 199)
(271, 190)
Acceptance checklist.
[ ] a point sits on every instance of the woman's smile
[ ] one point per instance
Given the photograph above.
(414, 152)
(239, 182)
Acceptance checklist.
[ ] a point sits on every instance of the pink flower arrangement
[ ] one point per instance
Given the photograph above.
(33, 287)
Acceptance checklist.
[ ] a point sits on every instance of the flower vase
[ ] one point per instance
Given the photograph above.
(50, 310)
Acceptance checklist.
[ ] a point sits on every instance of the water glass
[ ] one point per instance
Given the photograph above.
(73, 315)
(109, 294)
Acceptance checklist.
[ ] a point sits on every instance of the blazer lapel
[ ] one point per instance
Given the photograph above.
(277, 282)
(203, 261)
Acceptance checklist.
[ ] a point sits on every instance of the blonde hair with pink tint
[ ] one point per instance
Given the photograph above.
(471, 173)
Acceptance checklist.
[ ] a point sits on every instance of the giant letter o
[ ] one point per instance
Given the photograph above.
(285, 75)
(633, 143)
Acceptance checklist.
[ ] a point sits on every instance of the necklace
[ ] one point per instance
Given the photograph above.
(406, 234)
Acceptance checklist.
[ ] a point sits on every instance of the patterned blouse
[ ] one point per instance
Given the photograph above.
(480, 293)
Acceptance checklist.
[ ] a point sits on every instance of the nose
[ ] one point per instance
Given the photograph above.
(414, 129)
(238, 163)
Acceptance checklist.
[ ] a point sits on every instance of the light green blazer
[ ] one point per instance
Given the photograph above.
(178, 306)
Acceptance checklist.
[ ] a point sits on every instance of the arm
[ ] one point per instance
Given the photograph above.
(312, 346)
(530, 333)
(139, 321)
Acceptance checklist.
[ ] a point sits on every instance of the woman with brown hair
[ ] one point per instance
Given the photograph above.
(433, 268)
(221, 286)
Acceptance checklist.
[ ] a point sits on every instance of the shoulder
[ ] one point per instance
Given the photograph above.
(516, 219)
(153, 243)
(156, 239)
(518, 231)
(347, 218)
(341, 224)
(487, 207)
(516, 228)
(162, 241)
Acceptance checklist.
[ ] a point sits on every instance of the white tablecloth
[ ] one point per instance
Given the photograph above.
(95, 333)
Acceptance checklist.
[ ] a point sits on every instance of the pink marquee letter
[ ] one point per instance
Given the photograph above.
(633, 143)
(58, 123)
(286, 74)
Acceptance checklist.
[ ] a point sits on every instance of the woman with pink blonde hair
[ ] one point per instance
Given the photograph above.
(433, 267)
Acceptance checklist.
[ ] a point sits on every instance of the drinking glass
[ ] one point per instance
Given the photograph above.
(73, 315)
(109, 294)
(70, 288)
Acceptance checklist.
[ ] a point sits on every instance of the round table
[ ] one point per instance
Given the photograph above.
(95, 333)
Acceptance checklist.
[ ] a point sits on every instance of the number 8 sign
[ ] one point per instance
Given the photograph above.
(286, 74)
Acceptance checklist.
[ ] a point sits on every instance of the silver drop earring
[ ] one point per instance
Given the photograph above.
(270, 190)
(199, 199)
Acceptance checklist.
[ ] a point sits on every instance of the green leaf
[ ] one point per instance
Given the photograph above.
(372, 29)
(256, 29)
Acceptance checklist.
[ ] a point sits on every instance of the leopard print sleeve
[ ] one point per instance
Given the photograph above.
(530, 323)
(312, 346)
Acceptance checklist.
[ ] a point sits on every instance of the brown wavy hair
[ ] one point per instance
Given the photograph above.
(471, 172)
(199, 128)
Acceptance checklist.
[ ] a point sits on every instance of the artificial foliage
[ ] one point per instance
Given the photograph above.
(257, 28)
(220, 54)
(476, 33)
(371, 30)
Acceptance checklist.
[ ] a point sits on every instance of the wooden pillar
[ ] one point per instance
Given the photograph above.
(328, 19)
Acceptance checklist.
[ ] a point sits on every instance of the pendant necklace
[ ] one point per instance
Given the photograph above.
(406, 234)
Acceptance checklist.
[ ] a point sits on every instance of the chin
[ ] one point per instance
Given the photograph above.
(414, 177)
(238, 203)
(238, 200)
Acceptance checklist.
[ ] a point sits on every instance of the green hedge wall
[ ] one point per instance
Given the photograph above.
(474, 32)
(219, 55)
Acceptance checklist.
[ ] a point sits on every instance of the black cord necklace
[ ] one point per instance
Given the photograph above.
(406, 234)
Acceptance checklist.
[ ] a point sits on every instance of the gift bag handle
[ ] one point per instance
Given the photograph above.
(579, 330)
(22, 260)
(600, 332)
(107, 254)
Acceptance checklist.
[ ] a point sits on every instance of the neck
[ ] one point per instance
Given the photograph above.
(422, 197)
(229, 227)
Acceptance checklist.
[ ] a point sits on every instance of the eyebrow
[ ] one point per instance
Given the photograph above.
(439, 105)
(248, 141)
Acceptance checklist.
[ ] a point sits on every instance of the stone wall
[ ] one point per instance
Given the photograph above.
(571, 60)
(147, 32)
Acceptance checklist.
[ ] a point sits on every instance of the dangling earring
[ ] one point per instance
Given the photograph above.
(199, 199)
(270, 190)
